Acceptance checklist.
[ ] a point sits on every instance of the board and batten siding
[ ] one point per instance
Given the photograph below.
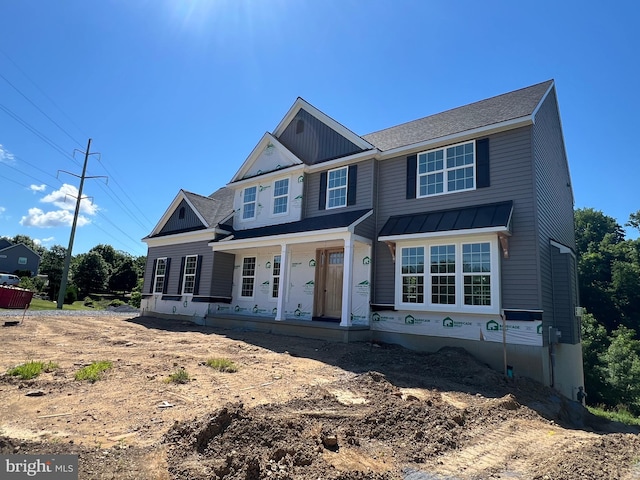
(554, 212)
(364, 192)
(221, 275)
(312, 141)
(177, 224)
(511, 178)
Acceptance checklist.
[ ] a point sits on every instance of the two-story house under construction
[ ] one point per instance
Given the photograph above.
(452, 230)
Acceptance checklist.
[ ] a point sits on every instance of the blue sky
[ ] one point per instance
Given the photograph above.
(176, 93)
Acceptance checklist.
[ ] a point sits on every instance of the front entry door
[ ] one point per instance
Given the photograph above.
(329, 282)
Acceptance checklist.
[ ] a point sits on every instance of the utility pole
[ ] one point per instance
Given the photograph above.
(67, 259)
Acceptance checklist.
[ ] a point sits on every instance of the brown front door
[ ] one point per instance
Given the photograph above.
(329, 270)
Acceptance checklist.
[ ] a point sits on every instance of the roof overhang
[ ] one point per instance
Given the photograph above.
(266, 141)
(184, 237)
(470, 231)
(174, 204)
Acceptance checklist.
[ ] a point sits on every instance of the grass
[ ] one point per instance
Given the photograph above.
(32, 369)
(620, 414)
(222, 365)
(39, 304)
(179, 376)
(93, 372)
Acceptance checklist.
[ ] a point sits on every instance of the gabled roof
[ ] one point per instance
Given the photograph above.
(325, 222)
(4, 243)
(18, 246)
(267, 156)
(503, 108)
(301, 104)
(490, 216)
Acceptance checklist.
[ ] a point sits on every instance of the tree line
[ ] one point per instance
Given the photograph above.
(102, 270)
(609, 281)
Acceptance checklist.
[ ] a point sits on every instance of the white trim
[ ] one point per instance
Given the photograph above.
(563, 248)
(264, 177)
(445, 170)
(535, 111)
(447, 233)
(459, 306)
(456, 137)
(155, 276)
(243, 276)
(257, 151)
(184, 274)
(184, 237)
(346, 188)
(324, 118)
(182, 195)
(241, 217)
(283, 286)
(342, 161)
(347, 280)
(273, 197)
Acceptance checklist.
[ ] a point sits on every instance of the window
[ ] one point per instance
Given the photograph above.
(189, 279)
(161, 269)
(22, 260)
(446, 170)
(337, 188)
(413, 275)
(248, 276)
(280, 196)
(249, 203)
(275, 285)
(462, 275)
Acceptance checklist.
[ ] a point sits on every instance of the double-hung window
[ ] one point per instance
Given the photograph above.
(248, 276)
(280, 196)
(446, 170)
(189, 279)
(249, 200)
(161, 270)
(275, 285)
(461, 275)
(337, 187)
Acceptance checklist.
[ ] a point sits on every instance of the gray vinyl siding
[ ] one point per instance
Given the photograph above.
(175, 253)
(317, 143)
(554, 204)
(563, 271)
(13, 253)
(367, 228)
(364, 192)
(222, 275)
(176, 224)
(511, 170)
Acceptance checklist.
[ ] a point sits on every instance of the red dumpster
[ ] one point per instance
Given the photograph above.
(15, 297)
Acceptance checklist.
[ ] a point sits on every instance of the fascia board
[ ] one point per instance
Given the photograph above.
(293, 238)
(447, 233)
(457, 137)
(180, 238)
(165, 217)
(200, 217)
(257, 150)
(275, 173)
(544, 97)
(338, 162)
(358, 221)
(324, 118)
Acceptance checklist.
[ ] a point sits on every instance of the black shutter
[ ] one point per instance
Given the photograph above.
(482, 163)
(322, 201)
(412, 171)
(196, 285)
(153, 274)
(351, 187)
(166, 276)
(182, 260)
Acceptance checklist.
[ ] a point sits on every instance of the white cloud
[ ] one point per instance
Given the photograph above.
(41, 241)
(6, 156)
(65, 198)
(38, 188)
(2, 210)
(56, 218)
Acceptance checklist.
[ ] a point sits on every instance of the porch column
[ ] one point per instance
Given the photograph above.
(283, 286)
(347, 280)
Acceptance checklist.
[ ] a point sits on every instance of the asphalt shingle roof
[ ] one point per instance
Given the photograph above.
(214, 208)
(508, 106)
(479, 216)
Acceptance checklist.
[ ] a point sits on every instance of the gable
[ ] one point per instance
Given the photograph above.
(4, 243)
(269, 155)
(313, 141)
(183, 219)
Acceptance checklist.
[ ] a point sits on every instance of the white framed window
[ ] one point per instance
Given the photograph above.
(281, 196)
(275, 272)
(248, 277)
(249, 203)
(22, 260)
(337, 187)
(161, 270)
(189, 278)
(446, 170)
(461, 275)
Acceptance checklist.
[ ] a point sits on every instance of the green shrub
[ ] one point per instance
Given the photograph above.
(93, 372)
(179, 376)
(31, 369)
(71, 295)
(222, 365)
(88, 302)
(116, 303)
(136, 299)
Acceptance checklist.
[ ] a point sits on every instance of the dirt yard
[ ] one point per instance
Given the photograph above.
(295, 409)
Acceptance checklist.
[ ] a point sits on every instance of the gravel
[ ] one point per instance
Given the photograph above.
(123, 310)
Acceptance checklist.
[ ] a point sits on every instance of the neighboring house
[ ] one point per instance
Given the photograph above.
(452, 230)
(18, 258)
